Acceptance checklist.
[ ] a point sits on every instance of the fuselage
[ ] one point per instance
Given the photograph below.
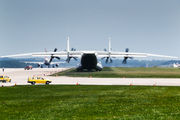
(89, 61)
(176, 65)
(46, 62)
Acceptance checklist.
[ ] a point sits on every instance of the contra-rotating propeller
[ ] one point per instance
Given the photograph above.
(125, 58)
(69, 58)
(52, 57)
(108, 59)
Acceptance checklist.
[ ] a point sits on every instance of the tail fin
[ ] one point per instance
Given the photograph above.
(45, 51)
(68, 59)
(68, 45)
(109, 44)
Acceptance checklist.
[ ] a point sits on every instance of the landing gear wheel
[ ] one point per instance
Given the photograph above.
(47, 83)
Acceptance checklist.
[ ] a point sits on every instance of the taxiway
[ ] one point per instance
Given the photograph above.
(19, 76)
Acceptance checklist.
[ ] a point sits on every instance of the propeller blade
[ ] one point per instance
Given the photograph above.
(55, 49)
(131, 58)
(107, 60)
(111, 61)
(103, 58)
(51, 59)
(75, 58)
(68, 59)
(73, 49)
(124, 61)
(58, 58)
(127, 50)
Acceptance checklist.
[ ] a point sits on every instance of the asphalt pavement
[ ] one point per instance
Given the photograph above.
(19, 76)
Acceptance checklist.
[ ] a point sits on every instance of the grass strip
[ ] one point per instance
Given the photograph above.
(89, 102)
(119, 72)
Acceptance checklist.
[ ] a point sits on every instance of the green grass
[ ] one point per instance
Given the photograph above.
(119, 72)
(89, 102)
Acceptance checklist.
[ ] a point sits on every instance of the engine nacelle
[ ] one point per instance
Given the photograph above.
(57, 65)
(99, 66)
(79, 67)
(39, 65)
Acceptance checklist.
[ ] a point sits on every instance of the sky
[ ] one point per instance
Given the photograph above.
(145, 26)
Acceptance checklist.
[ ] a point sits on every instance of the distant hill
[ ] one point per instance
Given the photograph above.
(19, 63)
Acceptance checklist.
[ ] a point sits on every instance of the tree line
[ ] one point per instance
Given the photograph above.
(20, 63)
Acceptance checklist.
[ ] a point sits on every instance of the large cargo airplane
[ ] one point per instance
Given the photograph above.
(89, 59)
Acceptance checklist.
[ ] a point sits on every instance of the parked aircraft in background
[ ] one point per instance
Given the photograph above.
(176, 65)
(89, 58)
(48, 62)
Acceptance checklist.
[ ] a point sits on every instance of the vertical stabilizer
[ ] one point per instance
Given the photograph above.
(68, 59)
(68, 45)
(109, 44)
(109, 50)
(45, 56)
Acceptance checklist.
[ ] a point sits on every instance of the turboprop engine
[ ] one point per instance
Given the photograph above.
(40, 65)
(57, 65)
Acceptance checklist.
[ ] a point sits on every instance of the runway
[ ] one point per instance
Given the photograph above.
(19, 76)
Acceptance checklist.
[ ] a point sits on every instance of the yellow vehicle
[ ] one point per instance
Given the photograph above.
(36, 79)
(4, 78)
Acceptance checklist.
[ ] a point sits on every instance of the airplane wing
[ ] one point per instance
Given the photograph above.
(16, 55)
(100, 54)
(50, 54)
(155, 55)
(74, 53)
(56, 63)
(33, 62)
(129, 54)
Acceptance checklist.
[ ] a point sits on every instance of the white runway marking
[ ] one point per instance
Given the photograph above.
(19, 77)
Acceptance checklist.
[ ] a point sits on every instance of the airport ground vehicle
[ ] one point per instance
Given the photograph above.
(36, 79)
(28, 67)
(4, 78)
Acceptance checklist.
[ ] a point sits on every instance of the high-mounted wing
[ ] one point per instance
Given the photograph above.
(16, 55)
(123, 54)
